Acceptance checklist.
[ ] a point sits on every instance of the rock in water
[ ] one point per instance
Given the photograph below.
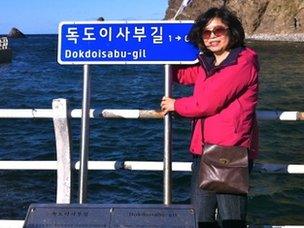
(15, 33)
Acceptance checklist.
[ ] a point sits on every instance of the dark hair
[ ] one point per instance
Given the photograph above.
(235, 29)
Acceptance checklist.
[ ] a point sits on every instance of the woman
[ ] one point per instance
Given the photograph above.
(222, 106)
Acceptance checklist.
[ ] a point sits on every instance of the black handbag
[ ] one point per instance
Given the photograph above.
(224, 169)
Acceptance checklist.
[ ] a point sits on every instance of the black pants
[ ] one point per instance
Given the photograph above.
(232, 208)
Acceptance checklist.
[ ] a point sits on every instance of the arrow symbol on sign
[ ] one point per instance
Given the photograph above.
(178, 38)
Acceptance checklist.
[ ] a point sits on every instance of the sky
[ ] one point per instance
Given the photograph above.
(43, 16)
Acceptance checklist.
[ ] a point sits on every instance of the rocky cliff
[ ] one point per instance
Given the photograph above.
(257, 16)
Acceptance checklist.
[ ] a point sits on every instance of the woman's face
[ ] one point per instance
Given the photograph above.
(216, 41)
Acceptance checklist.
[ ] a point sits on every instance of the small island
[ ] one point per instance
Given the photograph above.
(15, 33)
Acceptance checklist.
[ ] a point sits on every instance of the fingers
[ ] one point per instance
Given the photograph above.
(167, 104)
(164, 111)
(166, 99)
(163, 105)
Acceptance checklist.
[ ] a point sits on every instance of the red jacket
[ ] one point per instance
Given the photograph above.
(223, 103)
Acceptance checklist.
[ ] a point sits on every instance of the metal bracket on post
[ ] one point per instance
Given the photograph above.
(63, 150)
(167, 141)
(84, 147)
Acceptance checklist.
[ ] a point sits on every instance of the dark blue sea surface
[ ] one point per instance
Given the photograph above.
(34, 79)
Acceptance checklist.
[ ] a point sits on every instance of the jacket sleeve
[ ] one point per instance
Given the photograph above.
(185, 74)
(219, 90)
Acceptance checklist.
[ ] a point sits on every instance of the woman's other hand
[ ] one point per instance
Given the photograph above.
(167, 105)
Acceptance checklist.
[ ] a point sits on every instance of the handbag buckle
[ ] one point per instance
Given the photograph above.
(224, 161)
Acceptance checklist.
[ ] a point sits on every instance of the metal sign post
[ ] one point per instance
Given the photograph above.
(84, 146)
(167, 141)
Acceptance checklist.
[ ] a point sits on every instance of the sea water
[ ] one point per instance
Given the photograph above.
(34, 79)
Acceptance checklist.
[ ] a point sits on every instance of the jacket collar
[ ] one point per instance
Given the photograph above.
(207, 60)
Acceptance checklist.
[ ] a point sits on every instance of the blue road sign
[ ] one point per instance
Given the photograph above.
(126, 42)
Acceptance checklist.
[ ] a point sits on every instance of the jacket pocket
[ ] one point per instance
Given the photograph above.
(238, 115)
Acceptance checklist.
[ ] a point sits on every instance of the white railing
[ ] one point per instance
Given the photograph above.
(3, 43)
(60, 114)
(132, 114)
(140, 166)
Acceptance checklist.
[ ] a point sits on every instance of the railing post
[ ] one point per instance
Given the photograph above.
(63, 150)
(167, 141)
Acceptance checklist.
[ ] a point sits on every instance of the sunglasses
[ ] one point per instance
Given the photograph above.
(217, 31)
